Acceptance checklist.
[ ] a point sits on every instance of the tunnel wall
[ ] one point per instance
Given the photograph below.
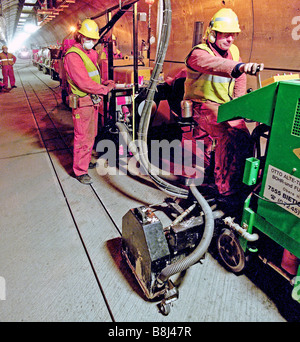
(270, 29)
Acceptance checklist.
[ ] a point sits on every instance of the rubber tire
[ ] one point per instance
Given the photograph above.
(231, 252)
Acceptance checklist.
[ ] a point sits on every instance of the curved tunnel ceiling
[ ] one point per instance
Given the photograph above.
(270, 29)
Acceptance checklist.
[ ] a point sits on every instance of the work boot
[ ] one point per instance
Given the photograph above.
(14, 86)
(84, 179)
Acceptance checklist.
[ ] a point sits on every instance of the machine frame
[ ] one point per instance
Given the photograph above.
(272, 209)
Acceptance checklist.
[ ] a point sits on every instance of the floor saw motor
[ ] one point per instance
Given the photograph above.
(155, 253)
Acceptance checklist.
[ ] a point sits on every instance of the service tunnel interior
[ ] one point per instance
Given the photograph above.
(150, 148)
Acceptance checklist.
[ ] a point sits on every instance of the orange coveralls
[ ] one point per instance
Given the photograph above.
(232, 138)
(7, 60)
(85, 117)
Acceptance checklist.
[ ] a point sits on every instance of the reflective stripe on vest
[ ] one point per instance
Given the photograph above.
(202, 87)
(91, 68)
(93, 73)
(6, 59)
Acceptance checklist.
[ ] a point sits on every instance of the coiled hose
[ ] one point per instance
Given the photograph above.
(199, 251)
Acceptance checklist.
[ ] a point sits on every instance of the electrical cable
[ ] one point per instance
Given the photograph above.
(280, 203)
(251, 48)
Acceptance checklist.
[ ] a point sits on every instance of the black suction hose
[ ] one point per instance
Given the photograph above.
(172, 190)
(196, 255)
(146, 112)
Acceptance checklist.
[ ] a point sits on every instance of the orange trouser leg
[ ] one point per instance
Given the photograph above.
(8, 73)
(233, 146)
(85, 130)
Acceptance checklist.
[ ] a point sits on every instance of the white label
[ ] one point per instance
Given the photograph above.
(296, 289)
(284, 189)
(2, 289)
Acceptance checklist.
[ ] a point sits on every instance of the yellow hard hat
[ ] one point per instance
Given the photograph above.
(226, 21)
(89, 29)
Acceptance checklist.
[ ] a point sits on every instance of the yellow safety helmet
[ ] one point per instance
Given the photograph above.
(225, 20)
(89, 29)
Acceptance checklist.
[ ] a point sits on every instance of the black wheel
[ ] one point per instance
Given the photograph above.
(164, 308)
(231, 252)
(54, 75)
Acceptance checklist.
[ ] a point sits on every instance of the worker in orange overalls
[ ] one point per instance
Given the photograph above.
(216, 75)
(84, 78)
(7, 60)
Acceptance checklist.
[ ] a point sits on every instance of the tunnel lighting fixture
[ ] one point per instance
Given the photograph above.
(30, 28)
(19, 40)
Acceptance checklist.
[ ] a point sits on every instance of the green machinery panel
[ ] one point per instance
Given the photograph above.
(278, 106)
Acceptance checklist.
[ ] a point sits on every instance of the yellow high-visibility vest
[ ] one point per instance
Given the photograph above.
(91, 68)
(202, 87)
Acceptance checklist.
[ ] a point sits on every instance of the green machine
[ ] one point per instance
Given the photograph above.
(273, 207)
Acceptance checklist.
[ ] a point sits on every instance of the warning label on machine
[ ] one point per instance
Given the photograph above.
(283, 189)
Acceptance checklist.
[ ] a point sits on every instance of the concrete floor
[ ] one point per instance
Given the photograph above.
(60, 240)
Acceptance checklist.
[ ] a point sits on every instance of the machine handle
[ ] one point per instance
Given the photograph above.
(257, 74)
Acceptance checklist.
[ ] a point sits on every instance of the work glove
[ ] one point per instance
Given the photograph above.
(110, 84)
(251, 68)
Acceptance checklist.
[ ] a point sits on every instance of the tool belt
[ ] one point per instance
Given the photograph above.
(90, 100)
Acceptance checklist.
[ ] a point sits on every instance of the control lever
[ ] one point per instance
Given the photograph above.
(258, 77)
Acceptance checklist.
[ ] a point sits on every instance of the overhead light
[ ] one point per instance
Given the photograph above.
(19, 40)
(30, 28)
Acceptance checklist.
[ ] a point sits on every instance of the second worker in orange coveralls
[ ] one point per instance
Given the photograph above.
(85, 82)
(216, 75)
(7, 60)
